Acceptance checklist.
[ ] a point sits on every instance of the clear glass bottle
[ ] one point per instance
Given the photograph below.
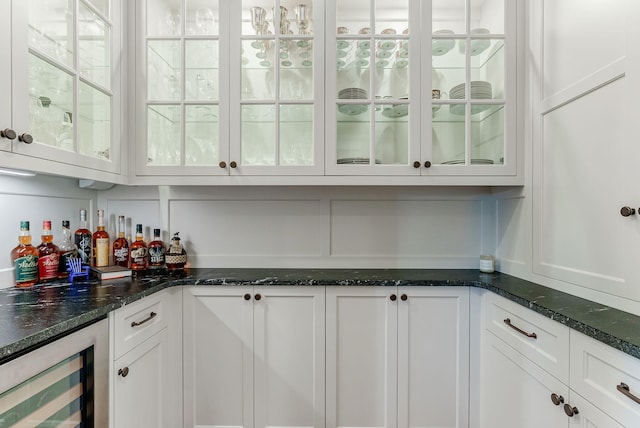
(82, 239)
(157, 252)
(66, 250)
(48, 255)
(176, 257)
(24, 258)
(100, 243)
(121, 246)
(139, 260)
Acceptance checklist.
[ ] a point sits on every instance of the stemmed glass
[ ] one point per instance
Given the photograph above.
(302, 19)
(205, 20)
(173, 20)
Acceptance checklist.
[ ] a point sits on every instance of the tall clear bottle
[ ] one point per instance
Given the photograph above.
(139, 260)
(121, 246)
(82, 239)
(66, 249)
(48, 256)
(100, 243)
(25, 259)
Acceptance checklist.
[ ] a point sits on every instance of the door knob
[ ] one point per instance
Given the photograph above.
(258, 296)
(427, 164)
(627, 211)
(557, 399)
(570, 410)
(233, 164)
(8, 133)
(247, 296)
(222, 164)
(404, 297)
(416, 164)
(123, 372)
(25, 138)
(393, 297)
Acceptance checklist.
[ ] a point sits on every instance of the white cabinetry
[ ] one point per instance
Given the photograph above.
(64, 100)
(397, 357)
(525, 379)
(145, 373)
(254, 356)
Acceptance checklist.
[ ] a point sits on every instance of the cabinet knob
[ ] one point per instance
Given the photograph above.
(404, 297)
(233, 164)
(557, 399)
(25, 138)
(222, 164)
(123, 372)
(258, 296)
(393, 297)
(627, 211)
(570, 411)
(247, 296)
(8, 133)
(416, 164)
(427, 164)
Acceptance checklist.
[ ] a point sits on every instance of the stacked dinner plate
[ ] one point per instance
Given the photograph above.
(480, 90)
(352, 94)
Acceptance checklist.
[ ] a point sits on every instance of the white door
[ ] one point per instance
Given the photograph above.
(517, 392)
(361, 357)
(140, 385)
(433, 357)
(218, 366)
(585, 139)
(289, 356)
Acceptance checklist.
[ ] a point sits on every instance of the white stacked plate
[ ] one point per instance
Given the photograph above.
(480, 90)
(356, 161)
(352, 94)
(440, 47)
(473, 162)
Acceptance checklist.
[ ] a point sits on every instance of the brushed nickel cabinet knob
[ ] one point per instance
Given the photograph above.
(8, 133)
(627, 211)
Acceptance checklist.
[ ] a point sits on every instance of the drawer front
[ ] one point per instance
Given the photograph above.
(599, 373)
(542, 340)
(135, 323)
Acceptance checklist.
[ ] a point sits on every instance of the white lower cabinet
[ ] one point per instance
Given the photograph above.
(146, 387)
(254, 356)
(397, 357)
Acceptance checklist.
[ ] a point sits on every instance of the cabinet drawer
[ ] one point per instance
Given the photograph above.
(135, 323)
(597, 372)
(542, 340)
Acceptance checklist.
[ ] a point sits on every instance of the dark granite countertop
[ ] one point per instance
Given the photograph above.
(30, 318)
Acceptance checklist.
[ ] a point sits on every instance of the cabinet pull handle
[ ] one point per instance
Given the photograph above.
(624, 388)
(8, 133)
(404, 297)
(123, 372)
(570, 410)
(25, 138)
(393, 297)
(151, 316)
(507, 321)
(258, 296)
(247, 296)
(627, 211)
(557, 399)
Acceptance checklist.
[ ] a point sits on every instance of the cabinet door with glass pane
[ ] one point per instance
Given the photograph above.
(66, 84)
(373, 93)
(277, 87)
(472, 128)
(181, 90)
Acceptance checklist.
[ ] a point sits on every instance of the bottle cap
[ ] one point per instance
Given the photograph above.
(46, 225)
(138, 228)
(156, 232)
(65, 224)
(24, 225)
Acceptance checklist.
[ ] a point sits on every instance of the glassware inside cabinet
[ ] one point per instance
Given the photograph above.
(202, 17)
(164, 70)
(165, 18)
(201, 70)
(163, 134)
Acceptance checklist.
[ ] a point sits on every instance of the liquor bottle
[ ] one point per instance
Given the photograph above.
(121, 246)
(82, 239)
(48, 255)
(138, 252)
(100, 243)
(66, 250)
(25, 259)
(176, 257)
(157, 251)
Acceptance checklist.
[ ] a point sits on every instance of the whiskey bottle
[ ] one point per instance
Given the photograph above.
(139, 261)
(100, 243)
(48, 256)
(121, 246)
(25, 259)
(157, 252)
(66, 250)
(176, 257)
(82, 239)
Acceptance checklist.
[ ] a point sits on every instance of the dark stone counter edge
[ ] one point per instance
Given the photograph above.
(520, 291)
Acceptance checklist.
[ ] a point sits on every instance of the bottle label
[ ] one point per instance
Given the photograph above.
(102, 252)
(156, 256)
(83, 242)
(62, 266)
(48, 266)
(26, 269)
(120, 255)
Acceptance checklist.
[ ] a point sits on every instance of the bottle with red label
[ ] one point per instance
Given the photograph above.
(138, 251)
(48, 255)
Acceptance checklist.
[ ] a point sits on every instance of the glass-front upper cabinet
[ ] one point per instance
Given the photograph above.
(181, 114)
(416, 87)
(277, 90)
(66, 81)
